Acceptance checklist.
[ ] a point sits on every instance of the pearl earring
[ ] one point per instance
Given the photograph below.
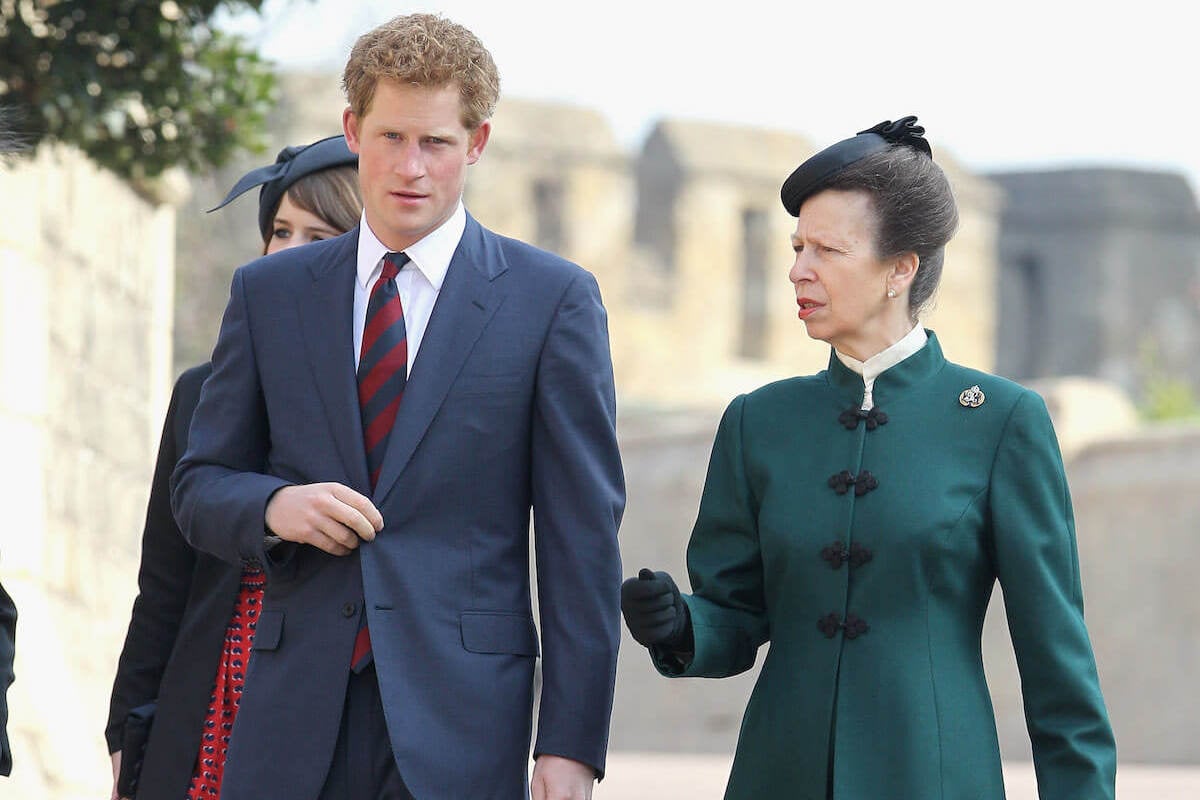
(891, 292)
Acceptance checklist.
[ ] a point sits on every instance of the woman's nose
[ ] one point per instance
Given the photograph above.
(800, 270)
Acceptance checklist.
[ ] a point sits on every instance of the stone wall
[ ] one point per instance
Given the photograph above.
(1136, 515)
(86, 274)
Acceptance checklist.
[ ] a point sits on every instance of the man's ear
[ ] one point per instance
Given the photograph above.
(478, 141)
(350, 123)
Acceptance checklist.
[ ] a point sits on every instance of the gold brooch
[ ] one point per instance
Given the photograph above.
(972, 398)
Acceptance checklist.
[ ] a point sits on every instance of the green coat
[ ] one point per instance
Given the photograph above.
(890, 692)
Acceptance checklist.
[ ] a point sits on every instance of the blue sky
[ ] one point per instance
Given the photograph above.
(1012, 85)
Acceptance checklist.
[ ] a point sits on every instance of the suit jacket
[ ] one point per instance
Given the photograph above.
(8, 640)
(177, 628)
(510, 404)
(890, 693)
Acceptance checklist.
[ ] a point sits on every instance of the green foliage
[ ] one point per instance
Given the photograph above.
(139, 86)
(1164, 396)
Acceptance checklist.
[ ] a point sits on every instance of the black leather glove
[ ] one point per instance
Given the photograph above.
(655, 612)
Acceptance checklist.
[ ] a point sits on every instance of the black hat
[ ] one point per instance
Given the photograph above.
(292, 164)
(813, 173)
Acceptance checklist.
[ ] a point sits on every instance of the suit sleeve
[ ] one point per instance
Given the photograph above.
(164, 577)
(1037, 563)
(578, 493)
(727, 605)
(8, 640)
(218, 494)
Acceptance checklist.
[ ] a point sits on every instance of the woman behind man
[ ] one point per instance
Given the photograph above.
(858, 519)
(194, 615)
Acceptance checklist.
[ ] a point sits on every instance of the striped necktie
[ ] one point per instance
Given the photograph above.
(383, 363)
(382, 374)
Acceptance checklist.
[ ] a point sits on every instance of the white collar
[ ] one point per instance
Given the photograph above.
(431, 254)
(884, 360)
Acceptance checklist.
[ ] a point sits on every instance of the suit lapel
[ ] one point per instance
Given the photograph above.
(326, 306)
(466, 303)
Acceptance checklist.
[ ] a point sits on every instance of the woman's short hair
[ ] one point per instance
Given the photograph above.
(332, 194)
(915, 211)
(424, 50)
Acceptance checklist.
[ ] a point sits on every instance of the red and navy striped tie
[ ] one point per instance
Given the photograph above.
(382, 373)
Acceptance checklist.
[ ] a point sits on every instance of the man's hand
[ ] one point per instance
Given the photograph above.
(328, 516)
(558, 778)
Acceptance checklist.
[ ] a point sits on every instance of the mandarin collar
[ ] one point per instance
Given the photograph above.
(893, 381)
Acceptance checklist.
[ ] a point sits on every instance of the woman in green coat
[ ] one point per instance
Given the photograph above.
(857, 519)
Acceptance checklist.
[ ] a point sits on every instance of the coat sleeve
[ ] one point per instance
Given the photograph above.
(164, 576)
(1033, 539)
(727, 604)
(578, 493)
(8, 640)
(218, 493)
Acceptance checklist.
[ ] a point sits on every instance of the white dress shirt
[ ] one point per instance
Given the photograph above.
(882, 361)
(419, 282)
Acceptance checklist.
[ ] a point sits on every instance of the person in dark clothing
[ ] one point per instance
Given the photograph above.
(8, 640)
(194, 614)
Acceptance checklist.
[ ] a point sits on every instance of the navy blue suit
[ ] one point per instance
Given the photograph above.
(510, 405)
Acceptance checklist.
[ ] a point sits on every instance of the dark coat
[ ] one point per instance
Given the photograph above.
(177, 629)
(8, 639)
(865, 551)
(510, 405)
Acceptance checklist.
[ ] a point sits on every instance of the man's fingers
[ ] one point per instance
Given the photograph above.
(322, 542)
(337, 532)
(328, 516)
(350, 517)
(361, 504)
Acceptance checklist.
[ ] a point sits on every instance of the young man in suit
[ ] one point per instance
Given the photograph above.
(415, 387)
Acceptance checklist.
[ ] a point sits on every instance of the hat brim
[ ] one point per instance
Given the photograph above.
(812, 175)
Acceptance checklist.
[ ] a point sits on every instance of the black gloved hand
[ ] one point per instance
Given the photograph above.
(655, 612)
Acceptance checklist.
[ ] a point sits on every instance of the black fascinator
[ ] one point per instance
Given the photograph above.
(809, 176)
(292, 164)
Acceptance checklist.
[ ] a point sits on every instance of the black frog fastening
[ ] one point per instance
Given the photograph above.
(854, 625)
(836, 553)
(852, 416)
(862, 483)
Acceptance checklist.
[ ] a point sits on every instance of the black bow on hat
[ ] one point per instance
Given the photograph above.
(292, 164)
(809, 176)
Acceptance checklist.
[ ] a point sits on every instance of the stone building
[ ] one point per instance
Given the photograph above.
(86, 274)
(1099, 276)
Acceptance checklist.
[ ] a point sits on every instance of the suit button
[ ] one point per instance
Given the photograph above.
(349, 610)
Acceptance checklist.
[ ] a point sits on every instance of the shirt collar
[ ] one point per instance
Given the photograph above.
(431, 255)
(884, 360)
